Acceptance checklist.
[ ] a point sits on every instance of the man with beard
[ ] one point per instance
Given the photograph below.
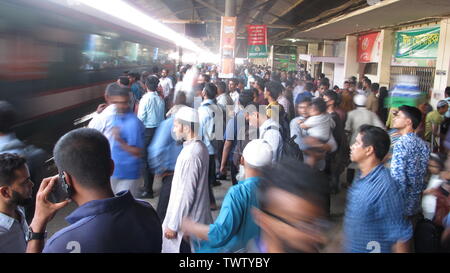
(189, 195)
(15, 192)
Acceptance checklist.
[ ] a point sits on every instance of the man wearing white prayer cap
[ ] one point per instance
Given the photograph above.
(189, 196)
(235, 227)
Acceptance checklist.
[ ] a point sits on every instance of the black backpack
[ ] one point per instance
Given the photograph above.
(289, 148)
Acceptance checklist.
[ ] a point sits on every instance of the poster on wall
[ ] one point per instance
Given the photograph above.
(227, 47)
(369, 48)
(257, 41)
(417, 44)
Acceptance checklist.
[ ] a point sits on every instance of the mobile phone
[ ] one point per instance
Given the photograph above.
(60, 191)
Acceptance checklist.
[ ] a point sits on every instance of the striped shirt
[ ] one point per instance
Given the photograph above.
(374, 218)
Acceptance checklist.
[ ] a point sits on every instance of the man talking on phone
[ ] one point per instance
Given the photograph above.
(103, 222)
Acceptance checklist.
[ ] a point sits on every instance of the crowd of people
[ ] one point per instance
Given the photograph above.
(287, 141)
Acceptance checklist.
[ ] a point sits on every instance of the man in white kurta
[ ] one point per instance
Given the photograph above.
(189, 196)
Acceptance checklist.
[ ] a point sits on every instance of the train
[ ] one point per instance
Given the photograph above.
(54, 59)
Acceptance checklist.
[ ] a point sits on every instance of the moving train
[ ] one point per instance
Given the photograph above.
(55, 59)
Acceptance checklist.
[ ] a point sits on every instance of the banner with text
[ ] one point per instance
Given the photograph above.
(369, 48)
(418, 43)
(227, 47)
(257, 41)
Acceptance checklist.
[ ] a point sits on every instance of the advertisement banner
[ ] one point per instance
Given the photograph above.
(257, 41)
(369, 48)
(417, 44)
(227, 47)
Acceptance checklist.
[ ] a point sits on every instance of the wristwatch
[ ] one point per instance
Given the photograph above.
(35, 236)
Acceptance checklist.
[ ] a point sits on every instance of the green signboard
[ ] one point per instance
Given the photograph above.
(418, 43)
(257, 51)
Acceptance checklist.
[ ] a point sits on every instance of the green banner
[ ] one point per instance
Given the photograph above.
(417, 44)
(257, 51)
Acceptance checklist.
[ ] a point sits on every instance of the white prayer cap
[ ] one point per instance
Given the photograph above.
(187, 114)
(258, 153)
(360, 100)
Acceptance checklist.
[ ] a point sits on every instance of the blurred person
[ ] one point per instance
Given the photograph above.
(241, 85)
(339, 160)
(323, 86)
(9, 143)
(260, 86)
(319, 123)
(298, 88)
(355, 119)
(382, 107)
(291, 214)
(101, 217)
(204, 78)
(302, 107)
(136, 90)
(367, 86)
(272, 92)
(189, 195)
(372, 98)
(124, 81)
(235, 227)
(163, 152)
(435, 167)
(269, 130)
(347, 98)
(151, 113)
(16, 188)
(208, 114)
(374, 219)
(284, 100)
(225, 102)
(407, 170)
(167, 86)
(234, 93)
(127, 144)
(236, 137)
(433, 121)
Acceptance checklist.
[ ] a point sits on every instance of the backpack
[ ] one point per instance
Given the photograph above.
(289, 149)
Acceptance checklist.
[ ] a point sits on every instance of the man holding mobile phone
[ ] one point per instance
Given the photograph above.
(103, 222)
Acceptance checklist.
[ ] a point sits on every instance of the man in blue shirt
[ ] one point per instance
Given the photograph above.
(102, 222)
(163, 153)
(234, 226)
(374, 218)
(409, 158)
(211, 120)
(151, 113)
(126, 142)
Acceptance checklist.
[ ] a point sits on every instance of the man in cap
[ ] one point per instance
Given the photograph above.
(409, 158)
(189, 196)
(355, 118)
(234, 226)
(434, 119)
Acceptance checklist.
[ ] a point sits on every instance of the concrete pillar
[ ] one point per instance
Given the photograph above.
(230, 8)
(328, 68)
(442, 76)
(350, 60)
(313, 49)
(384, 63)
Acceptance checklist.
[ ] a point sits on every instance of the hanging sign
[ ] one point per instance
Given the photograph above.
(257, 41)
(369, 48)
(227, 47)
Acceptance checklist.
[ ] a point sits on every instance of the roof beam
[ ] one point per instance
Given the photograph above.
(211, 7)
(287, 10)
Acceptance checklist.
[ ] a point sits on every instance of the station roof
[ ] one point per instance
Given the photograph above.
(288, 19)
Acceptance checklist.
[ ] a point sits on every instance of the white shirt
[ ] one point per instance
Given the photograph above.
(429, 200)
(235, 97)
(103, 122)
(272, 136)
(166, 85)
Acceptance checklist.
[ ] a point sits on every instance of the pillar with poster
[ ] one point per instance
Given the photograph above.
(227, 47)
